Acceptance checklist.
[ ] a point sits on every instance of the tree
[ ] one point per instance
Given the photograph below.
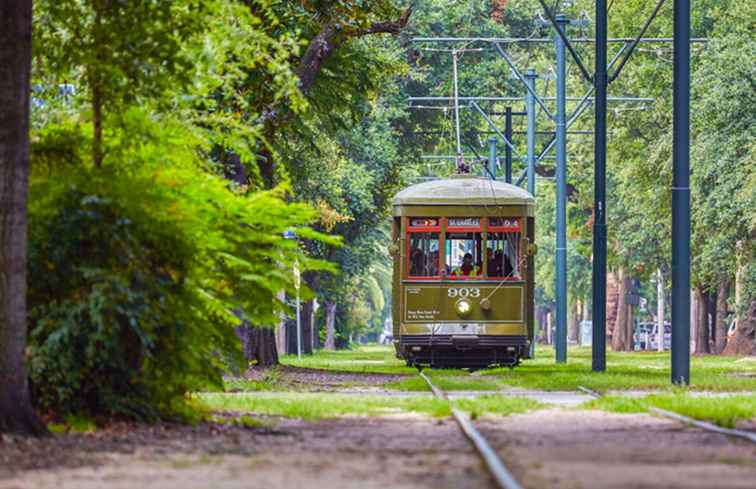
(120, 52)
(16, 412)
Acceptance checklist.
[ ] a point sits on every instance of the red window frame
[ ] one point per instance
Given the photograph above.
(506, 229)
(422, 229)
(463, 229)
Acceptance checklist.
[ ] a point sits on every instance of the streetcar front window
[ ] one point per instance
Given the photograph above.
(423, 247)
(463, 254)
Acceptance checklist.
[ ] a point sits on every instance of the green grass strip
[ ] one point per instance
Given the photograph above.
(320, 406)
(724, 411)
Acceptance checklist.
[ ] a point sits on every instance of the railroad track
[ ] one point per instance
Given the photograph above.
(690, 421)
(493, 462)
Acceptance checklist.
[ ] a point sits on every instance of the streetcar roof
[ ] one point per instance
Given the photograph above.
(464, 190)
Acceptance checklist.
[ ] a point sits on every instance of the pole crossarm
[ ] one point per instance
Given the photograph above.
(519, 99)
(635, 43)
(496, 129)
(546, 40)
(519, 76)
(588, 77)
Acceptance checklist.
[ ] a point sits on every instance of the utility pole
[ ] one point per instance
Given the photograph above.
(681, 195)
(598, 341)
(492, 157)
(561, 197)
(660, 333)
(530, 109)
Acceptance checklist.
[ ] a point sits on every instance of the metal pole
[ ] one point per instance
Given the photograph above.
(531, 110)
(492, 157)
(598, 343)
(681, 195)
(660, 333)
(561, 199)
(299, 329)
(507, 149)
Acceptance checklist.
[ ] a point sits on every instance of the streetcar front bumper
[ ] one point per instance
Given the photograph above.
(463, 351)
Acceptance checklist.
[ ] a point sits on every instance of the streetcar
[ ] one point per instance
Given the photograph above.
(463, 251)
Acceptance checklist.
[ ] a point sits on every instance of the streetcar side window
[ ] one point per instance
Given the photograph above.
(463, 253)
(423, 254)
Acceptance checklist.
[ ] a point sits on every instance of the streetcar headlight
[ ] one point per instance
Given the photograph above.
(463, 307)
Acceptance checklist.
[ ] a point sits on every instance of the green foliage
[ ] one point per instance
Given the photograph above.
(137, 270)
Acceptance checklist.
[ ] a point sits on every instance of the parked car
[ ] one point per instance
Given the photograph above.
(645, 336)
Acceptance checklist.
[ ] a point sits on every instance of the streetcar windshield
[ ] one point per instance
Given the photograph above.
(463, 254)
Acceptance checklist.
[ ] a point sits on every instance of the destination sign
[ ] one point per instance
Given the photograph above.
(504, 222)
(464, 222)
(423, 222)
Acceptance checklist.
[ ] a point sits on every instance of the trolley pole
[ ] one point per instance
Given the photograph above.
(598, 342)
(492, 157)
(530, 106)
(681, 195)
(507, 149)
(561, 198)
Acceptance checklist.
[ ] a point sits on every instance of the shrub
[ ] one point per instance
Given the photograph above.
(136, 270)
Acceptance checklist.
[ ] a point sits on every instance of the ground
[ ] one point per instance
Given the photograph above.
(359, 420)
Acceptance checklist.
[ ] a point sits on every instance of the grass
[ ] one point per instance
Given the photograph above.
(373, 359)
(311, 407)
(625, 371)
(318, 406)
(456, 383)
(724, 411)
(499, 405)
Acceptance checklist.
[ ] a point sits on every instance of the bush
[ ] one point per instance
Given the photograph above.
(136, 269)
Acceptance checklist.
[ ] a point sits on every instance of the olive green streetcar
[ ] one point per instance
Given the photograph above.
(463, 273)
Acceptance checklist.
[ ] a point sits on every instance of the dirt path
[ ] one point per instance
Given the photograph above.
(571, 449)
(365, 453)
(561, 447)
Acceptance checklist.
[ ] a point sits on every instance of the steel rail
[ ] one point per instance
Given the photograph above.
(501, 475)
(748, 435)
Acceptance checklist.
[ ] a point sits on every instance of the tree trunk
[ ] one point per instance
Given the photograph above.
(612, 303)
(694, 308)
(307, 332)
(702, 321)
(330, 342)
(281, 326)
(16, 412)
(573, 325)
(620, 341)
(744, 340)
(660, 299)
(630, 328)
(95, 80)
(262, 348)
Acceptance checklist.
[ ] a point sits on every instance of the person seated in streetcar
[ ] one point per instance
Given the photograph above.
(494, 266)
(467, 268)
(432, 264)
(417, 257)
